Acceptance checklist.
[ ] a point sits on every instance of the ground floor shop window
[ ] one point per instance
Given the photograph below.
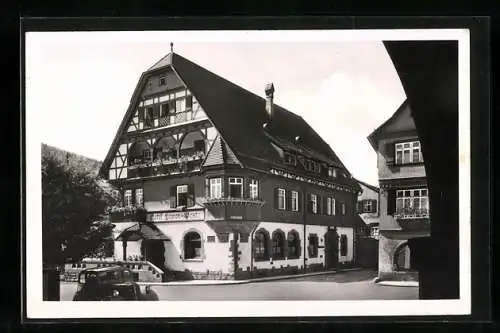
(192, 245)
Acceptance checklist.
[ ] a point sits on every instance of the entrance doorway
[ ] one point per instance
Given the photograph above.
(403, 260)
(153, 250)
(331, 249)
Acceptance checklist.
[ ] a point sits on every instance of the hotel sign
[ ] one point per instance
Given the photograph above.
(193, 215)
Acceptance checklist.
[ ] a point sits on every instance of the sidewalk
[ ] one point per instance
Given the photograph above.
(227, 282)
(399, 283)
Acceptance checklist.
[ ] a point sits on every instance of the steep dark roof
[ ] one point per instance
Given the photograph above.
(239, 116)
(373, 188)
(373, 137)
(219, 154)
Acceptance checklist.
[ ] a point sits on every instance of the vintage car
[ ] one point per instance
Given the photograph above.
(115, 283)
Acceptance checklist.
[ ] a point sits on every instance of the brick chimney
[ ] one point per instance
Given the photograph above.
(269, 99)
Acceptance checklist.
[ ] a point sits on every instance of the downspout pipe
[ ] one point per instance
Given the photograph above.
(304, 214)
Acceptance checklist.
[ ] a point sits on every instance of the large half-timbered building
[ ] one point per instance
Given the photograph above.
(229, 184)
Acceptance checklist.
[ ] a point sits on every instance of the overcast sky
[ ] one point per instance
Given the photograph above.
(78, 85)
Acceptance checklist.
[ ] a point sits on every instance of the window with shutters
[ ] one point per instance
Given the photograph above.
(281, 199)
(235, 187)
(314, 203)
(295, 201)
(192, 245)
(343, 245)
(216, 188)
(293, 245)
(127, 198)
(278, 244)
(182, 195)
(313, 246)
(260, 245)
(254, 189)
(369, 206)
(408, 152)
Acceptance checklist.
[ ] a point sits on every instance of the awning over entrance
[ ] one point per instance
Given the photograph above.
(142, 231)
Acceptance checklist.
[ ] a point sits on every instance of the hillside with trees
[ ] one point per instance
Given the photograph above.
(74, 205)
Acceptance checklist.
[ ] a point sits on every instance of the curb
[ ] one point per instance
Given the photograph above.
(399, 283)
(229, 282)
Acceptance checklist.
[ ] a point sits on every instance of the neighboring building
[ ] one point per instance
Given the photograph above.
(233, 185)
(368, 208)
(404, 204)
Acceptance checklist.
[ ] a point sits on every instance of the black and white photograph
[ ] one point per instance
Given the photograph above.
(207, 173)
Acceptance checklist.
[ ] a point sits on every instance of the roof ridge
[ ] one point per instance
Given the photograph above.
(159, 61)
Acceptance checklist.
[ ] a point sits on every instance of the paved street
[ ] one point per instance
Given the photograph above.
(354, 285)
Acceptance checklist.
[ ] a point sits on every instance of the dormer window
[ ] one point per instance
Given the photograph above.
(162, 81)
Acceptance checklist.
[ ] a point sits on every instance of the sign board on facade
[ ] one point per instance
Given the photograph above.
(193, 215)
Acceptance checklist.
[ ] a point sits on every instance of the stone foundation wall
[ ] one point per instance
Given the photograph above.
(212, 275)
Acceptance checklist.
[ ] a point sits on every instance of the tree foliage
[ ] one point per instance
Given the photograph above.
(74, 203)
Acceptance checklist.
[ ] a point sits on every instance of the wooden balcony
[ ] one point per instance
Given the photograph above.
(413, 219)
(234, 209)
(232, 201)
(167, 167)
(127, 214)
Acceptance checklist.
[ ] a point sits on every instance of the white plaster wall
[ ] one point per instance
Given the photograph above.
(350, 244)
(285, 227)
(216, 255)
(299, 262)
(172, 257)
(133, 249)
(246, 253)
(319, 230)
(399, 171)
(118, 252)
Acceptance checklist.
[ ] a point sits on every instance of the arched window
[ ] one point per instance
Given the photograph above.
(192, 245)
(166, 148)
(139, 152)
(293, 244)
(193, 144)
(278, 244)
(260, 245)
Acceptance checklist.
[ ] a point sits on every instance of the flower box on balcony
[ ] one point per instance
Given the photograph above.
(128, 214)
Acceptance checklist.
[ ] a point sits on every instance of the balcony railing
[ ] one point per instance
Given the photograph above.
(167, 166)
(233, 200)
(411, 213)
(176, 118)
